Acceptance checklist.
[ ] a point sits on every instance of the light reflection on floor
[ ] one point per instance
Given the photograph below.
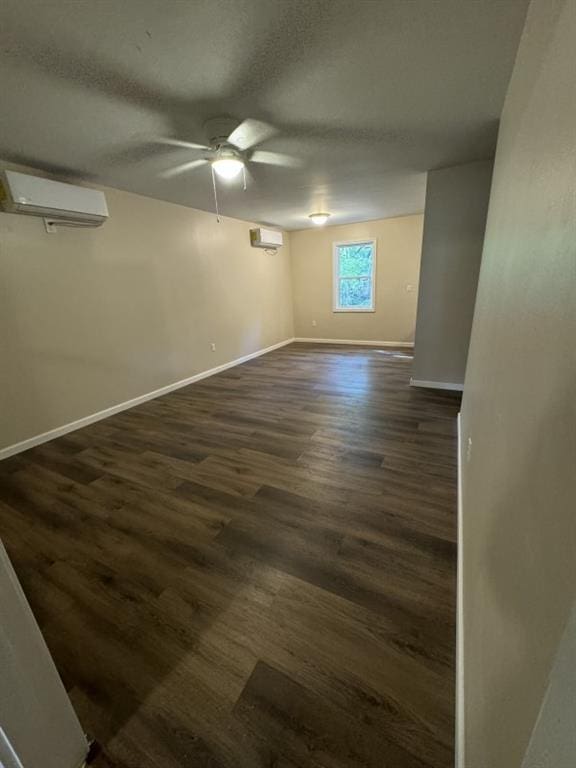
(397, 355)
(356, 372)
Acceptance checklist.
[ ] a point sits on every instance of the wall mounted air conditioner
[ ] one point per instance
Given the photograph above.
(266, 238)
(56, 202)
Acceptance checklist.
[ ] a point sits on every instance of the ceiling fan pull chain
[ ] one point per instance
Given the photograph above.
(215, 195)
(244, 173)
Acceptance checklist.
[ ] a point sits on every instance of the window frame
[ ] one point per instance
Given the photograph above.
(336, 275)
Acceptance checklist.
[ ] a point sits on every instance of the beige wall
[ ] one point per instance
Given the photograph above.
(91, 318)
(454, 224)
(519, 408)
(553, 741)
(399, 242)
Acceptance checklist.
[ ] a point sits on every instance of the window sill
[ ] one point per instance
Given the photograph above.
(350, 309)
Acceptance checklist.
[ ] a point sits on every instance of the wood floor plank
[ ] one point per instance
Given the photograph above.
(256, 570)
(294, 723)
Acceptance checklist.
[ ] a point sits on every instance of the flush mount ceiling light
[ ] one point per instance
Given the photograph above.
(319, 218)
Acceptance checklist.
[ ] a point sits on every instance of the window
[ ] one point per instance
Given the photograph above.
(354, 271)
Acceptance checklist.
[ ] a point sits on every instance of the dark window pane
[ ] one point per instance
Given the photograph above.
(355, 260)
(355, 293)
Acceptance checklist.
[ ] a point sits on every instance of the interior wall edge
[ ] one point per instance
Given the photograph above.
(454, 225)
(459, 740)
(52, 434)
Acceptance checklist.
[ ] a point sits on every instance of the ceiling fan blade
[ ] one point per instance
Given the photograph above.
(249, 133)
(182, 168)
(178, 143)
(274, 158)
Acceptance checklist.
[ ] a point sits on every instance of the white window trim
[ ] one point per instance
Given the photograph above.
(335, 278)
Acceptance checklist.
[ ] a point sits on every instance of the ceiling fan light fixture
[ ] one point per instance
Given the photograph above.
(227, 165)
(319, 218)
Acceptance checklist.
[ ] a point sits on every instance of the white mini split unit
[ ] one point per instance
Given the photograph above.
(57, 203)
(266, 238)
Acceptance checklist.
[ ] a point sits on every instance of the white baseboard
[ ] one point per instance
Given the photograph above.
(435, 384)
(459, 741)
(407, 344)
(52, 434)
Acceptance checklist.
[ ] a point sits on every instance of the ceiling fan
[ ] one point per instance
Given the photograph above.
(231, 145)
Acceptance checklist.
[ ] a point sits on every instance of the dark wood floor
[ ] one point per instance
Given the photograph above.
(256, 571)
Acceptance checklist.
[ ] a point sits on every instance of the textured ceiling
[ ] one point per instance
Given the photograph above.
(367, 94)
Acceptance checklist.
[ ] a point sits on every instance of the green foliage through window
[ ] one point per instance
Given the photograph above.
(355, 266)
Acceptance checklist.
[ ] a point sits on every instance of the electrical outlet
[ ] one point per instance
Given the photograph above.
(314, 323)
(409, 287)
(213, 347)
